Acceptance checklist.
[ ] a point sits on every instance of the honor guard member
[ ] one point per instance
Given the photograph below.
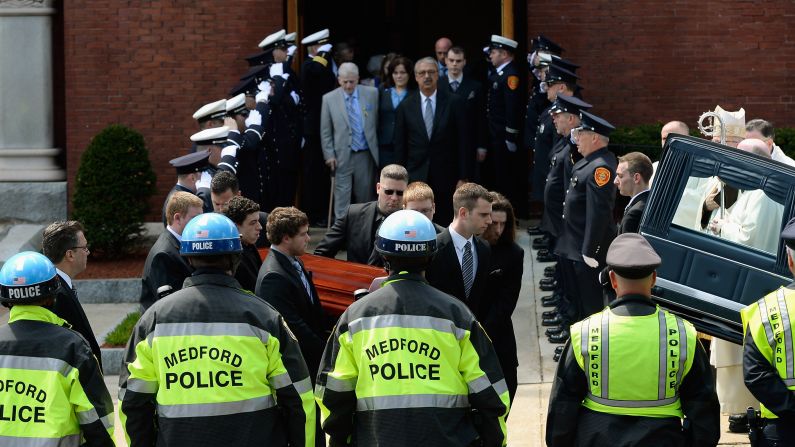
(317, 79)
(565, 112)
(633, 371)
(503, 110)
(213, 364)
(189, 170)
(209, 116)
(768, 355)
(588, 226)
(223, 156)
(277, 44)
(291, 47)
(52, 393)
(251, 155)
(408, 364)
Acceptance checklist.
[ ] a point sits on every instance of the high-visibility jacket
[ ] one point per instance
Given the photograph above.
(407, 365)
(769, 322)
(634, 364)
(51, 388)
(213, 365)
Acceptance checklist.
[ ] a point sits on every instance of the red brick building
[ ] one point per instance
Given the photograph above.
(150, 65)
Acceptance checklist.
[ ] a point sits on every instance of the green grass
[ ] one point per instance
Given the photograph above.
(121, 333)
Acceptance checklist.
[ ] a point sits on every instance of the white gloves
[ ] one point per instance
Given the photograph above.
(229, 150)
(326, 47)
(511, 146)
(592, 263)
(291, 50)
(254, 118)
(296, 98)
(276, 70)
(264, 88)
(531, 57)
(204, 181)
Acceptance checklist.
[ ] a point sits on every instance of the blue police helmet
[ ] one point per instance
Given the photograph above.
(210, 234)
(406, 233)
(27, 277)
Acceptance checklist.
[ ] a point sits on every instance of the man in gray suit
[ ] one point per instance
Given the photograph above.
(348, 121)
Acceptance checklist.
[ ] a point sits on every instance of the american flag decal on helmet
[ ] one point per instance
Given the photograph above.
(410, 233)
(202, 233)
(19, 280)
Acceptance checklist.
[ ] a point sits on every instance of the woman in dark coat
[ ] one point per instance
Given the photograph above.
(505, 282)
(392, 91)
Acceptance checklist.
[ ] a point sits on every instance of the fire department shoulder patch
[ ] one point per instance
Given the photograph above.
(601, 176)
(513, 82)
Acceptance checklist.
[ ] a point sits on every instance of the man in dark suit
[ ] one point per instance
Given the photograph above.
(245, 214)
(419, 197)
(66, 246)
(355, 231)
(287, 286)
(633, 173)
(431, 136)
(462, 260)
(471, 91)
(164, 266)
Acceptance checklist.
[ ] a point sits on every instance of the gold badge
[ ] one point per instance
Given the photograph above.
(513, 82)
(601, 176)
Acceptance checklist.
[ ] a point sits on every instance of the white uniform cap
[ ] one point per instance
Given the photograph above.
(316, 38)
(503, 42)
(213, 110)
(290, 37)
(236, 104)
(272, 39)
(214, 135)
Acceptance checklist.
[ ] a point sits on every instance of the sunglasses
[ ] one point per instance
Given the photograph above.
(390, 192)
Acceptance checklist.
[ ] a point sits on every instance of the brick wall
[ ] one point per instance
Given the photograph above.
(150, 67)
(648, 61)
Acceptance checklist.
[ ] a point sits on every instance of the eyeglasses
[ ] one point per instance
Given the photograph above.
(422, 74)
(84, 248)
(577, 132)
(391, 192)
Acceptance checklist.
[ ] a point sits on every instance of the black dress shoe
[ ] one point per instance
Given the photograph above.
(551, 303)
(550, 269)
(556, 321)
(543, 251)
(558, 349)
(556, 357)
(547, 298)
(548, 287)
(560, 338)
(549, 274)
(535, 231)
(543, 281)
(549, 314)
(554, 330)
(540, 243)
(738, 423)
(546, 258)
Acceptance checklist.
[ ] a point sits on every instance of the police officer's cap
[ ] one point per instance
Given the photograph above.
(503, 43)
(788, 234)
(246, 86)
(545, 60)
(569, 104)
(257, 59)
(632, 257)
(237, 104)
(211, 111)
(290, 38)
(595, 124)
(258, 73)
(275, 40)
(27, 277)
(317, 38)
(557, 73)
(193, 162)
(214, 135)
(544, 43)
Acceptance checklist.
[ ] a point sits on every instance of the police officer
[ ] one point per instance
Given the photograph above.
(504, 110)
(768, 354)
(52, 391)
(632, 371)
(213, 364)
(317, 79)
(408, 364)
(588, 226)
(565, 113)
(189, 170)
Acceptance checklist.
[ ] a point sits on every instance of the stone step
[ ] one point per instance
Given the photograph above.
(97, 291)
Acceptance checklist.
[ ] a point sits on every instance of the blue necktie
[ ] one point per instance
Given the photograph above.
(454, 85)
(355, 120)
(466, 268)
(300, 270)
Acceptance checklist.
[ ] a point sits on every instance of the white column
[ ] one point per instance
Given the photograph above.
(26, 109)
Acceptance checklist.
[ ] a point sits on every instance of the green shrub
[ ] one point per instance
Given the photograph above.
(121, 333)
(113, 185)
(785, 138)
(643, 138)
